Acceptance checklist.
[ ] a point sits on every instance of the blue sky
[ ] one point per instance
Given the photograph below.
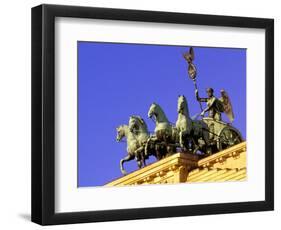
(116, 81)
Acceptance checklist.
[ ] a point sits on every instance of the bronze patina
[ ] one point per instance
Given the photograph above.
(203, 136)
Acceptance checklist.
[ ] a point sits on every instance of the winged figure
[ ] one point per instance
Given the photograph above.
(227, 107)
(189, 57)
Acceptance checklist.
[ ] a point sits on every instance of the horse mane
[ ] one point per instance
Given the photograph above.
(162, 111)
(186, 105)
(141, 120)
(122, 126)
(160, 108)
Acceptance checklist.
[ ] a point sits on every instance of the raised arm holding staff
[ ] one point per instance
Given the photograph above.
(214, 105)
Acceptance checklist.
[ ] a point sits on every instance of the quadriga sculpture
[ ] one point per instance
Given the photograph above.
(188, 135)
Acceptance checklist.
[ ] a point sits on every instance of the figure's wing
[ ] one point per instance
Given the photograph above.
(227, 105)
(189, 56)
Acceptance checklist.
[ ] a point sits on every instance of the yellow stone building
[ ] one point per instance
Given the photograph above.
(227, 165)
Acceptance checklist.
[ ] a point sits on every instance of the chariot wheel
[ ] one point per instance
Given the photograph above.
(228, 137)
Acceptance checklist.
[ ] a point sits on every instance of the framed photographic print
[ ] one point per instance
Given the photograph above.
(142, 114)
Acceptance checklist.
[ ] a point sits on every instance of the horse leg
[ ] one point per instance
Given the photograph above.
(181, 141)
(139, 164)
(195, 146)
(143, 159)
(141, 153)
(170, 150)
(195, 149)
(146, 147)
(158, 153)
(209, 150)
(125, 159)
(208, 146)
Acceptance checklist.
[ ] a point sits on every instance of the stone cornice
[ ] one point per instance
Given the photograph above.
(185, 167)
(233, 151)
(158, 169)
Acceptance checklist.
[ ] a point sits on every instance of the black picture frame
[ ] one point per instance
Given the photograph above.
(43, 110)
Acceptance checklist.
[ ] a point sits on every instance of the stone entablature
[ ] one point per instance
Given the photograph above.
(234, 157)
(227, 165)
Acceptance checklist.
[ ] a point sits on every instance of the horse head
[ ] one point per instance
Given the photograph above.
(182, 105)
(152, 110)
(121, 132)
(155, 111)
(137, 123)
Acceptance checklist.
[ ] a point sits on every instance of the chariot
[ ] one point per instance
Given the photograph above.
(223, 134)
(203, 136)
